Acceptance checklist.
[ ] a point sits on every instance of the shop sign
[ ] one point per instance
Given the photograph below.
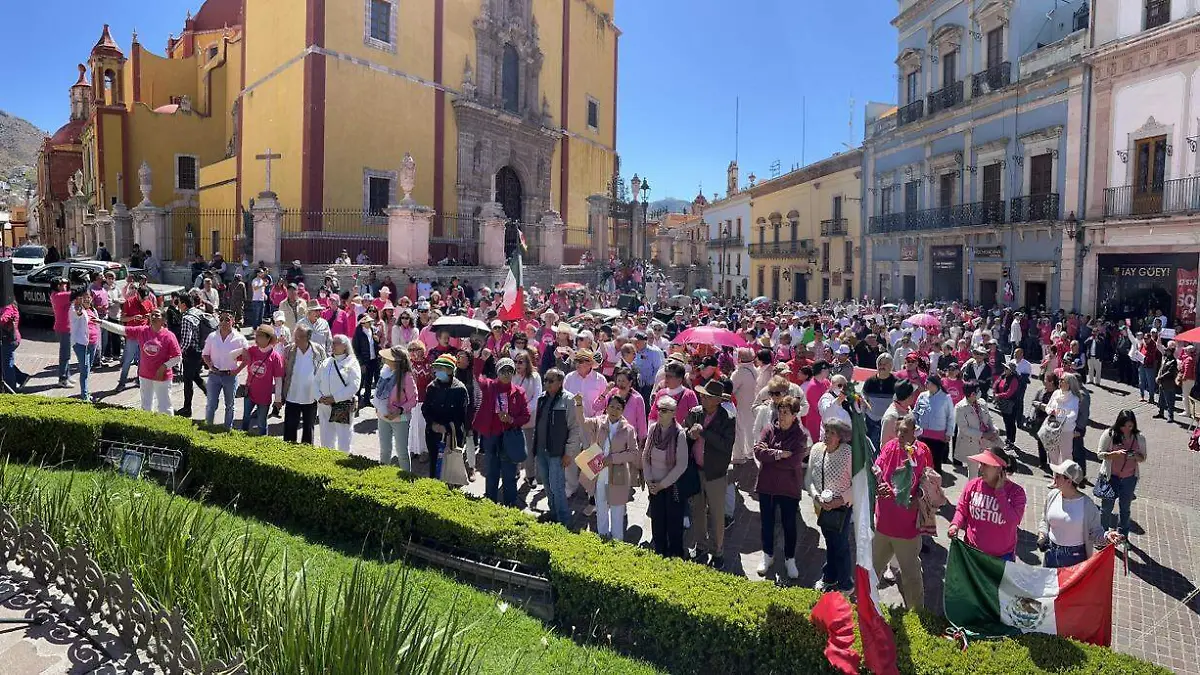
(1143, 271)
(1185, 296)
(946, 257)
(990, 252)
(837, 278)
(908, 253)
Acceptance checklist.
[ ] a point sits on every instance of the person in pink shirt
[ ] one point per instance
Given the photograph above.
(394, 398)
(60, 302)
(499, 339)
(952, 382)
(160, 353)
(990, 508)
(896, 532)
(635, 405)
(343, 320)
(814, 389)
(264, 379)
(673, 386)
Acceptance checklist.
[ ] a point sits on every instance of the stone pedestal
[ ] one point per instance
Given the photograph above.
(553, 238)
(267, 216)
(664, 243)
(491, 242)
(103, 231)
(408, 234)
(600, 226)
(149, 229)
(87, 246)
(122, 236)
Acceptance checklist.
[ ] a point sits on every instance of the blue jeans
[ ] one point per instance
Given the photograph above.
(837, 571)
(215, 386)
(1146, 384)
(874, 432)
(1124, 488)
(103, 347)
(85, 354)
(132, 353)
(256, 313)
(393, 441)
(550, 473)
(255, 415)
(13, 377)
(64, 355)
(1166, 403)
(1065, 556)
(498, 467)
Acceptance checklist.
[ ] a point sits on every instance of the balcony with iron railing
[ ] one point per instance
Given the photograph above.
(1181, 195)
(779, 249)
(910, 113)
(942, 217)
(946, 98)
(992, 79)
(1158, 13)
(834, 227)
(1032, 208)
(727, 242)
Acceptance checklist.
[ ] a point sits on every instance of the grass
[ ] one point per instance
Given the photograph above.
(360, 611)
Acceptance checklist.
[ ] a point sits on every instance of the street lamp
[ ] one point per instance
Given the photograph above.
(645, 212)
(724, 233)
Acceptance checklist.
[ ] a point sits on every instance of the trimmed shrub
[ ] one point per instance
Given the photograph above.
(684, 617)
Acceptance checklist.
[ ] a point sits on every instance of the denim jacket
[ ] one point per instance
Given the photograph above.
(935, 413)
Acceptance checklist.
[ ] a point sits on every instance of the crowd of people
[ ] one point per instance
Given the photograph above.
(565, 397)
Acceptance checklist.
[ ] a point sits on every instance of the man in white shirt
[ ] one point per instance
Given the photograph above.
(258, 298)
(586, 382)
(220, 354)
(1014, 332)
(301, 360)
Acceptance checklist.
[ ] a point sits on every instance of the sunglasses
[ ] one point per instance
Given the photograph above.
(776, 393)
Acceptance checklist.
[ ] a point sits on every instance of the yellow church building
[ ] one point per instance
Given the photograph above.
(511, 100)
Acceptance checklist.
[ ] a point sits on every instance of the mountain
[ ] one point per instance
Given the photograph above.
(19, 143)
(671, 205)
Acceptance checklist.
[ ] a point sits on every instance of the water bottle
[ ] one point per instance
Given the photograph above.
(441, 452)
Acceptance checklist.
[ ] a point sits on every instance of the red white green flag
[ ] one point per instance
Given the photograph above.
(990, 597)
(512, 302)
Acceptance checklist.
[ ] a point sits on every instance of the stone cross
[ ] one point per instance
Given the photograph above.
(267, 157)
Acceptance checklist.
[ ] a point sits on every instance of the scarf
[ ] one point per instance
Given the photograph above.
(666, 439)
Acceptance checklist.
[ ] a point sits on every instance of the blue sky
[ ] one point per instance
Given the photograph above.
(683, 65)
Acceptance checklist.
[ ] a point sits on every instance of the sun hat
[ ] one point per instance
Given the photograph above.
(713, 389)
(990, 458)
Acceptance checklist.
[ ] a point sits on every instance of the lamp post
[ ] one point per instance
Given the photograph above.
(724, 233)
(645, 215)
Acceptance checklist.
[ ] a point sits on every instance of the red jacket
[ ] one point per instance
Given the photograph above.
(491, 394)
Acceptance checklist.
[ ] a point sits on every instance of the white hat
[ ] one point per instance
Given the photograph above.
(844, 349)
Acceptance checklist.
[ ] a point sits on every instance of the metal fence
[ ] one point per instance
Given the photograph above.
(320, 237)
(192, 232)
(1181, 195)
(454, 239)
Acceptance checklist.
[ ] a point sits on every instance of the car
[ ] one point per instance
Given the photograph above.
(27, 258)
(32, 291)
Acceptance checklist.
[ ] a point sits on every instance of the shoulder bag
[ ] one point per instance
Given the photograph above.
(341, 411)
(1050, 431)
(831, 520)
(688, 483)
(454, 463)
(512, 443)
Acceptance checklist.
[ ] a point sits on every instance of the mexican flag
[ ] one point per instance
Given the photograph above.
(991, 597)
(879, 644)
(512, 304)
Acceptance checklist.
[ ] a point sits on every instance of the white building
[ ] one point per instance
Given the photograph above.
(728, 222)
(1138, 247)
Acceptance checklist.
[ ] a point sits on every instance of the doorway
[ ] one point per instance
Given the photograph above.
(1035, 294)
(1149, 175)
(988, 290)
(909, 283)
(509, 192)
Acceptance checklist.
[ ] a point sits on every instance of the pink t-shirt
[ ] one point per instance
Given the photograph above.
(158, 347)
(954, 388)
(892, 519)
(814, 391)
(685, 401)
(262, 369)
(990, 518)
(61, 302)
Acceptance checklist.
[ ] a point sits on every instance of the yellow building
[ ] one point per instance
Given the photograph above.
(515, 98)
(804, 241)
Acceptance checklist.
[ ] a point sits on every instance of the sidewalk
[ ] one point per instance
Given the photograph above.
(1151, 620)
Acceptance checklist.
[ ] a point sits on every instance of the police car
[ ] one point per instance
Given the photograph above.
(32, 291)
(27, 258)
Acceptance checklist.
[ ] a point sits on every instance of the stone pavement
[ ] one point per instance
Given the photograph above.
(1151, 619)
(48, 648)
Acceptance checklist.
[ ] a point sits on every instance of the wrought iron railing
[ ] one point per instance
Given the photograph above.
(727, 242)
(834, 227)
(1158, 13)
(1079, 20)
(997, 77)
(776, 249)
(322, 237)
(1034, 207)
(959, 215)
(910, 113)
(195, 232)
(1181, 195)
(946, 97)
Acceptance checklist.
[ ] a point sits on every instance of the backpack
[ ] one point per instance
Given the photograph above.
(207, 324)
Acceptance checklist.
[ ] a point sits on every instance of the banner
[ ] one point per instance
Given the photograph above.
(1185, 297)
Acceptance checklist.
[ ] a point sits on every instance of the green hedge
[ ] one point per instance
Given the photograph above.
(684, 617)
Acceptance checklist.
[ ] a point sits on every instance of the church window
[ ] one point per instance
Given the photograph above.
(186, 172)
(510, 91)
(593, 114)
(380, 28)
(379, 192)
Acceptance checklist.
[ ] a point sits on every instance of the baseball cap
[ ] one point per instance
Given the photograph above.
(505, 364)
(844, 349)
(1069, 469)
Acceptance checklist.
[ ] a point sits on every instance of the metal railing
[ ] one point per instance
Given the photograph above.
(777, 249)
(910, 113)
(1181, 195)
(320, 237)
(454, 239)
(958, 215)
(834, 227)
(195, 232)
(727, 242)
(1158, 13)
(1031, 208)
(946, 97)
(997, 77)
(1079, 20)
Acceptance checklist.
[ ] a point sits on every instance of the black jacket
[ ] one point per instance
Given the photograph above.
(362, 348)
(562, 426)
(718, 441)
(446, 404)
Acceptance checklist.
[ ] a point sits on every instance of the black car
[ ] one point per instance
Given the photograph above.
(32, 291)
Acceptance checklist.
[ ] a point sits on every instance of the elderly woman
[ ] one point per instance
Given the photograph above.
(613, 486)
(394, 399)
(1063, 407)
(827, 482)
(833, 404)
(1070, 527)
(990, 508)
(338, 380)
(935, 416)
(780, 452)
(1122, 450)
(974, 428)
(264, 368)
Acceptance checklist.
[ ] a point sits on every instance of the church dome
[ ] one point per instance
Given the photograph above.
(69, 134)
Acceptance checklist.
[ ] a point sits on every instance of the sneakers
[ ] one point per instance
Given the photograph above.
(889, 575)
(183, 412)
(764, 565)
(821, 586)
(717, 562)
(789, 565)
(64, 384)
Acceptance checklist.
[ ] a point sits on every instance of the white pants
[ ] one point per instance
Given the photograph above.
(1189, 405)
(152, 390)
(571, 476)
(1093, 370)
(330, 431)
(610, 520)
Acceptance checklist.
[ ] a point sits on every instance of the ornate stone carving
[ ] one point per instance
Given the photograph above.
(144, 183)
(468, 84)
(78, 183)
(408, 176)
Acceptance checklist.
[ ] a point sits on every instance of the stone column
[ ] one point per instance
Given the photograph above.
(103, 230)
(600, 220)
(149, 229)
(122, 236)
(408, 235)
(665, 242)
(268, 228)
(88, 245)
(552, 239)
(491, 235)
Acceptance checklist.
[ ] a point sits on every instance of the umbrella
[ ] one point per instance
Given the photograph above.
(460, 326)
(1192, 335)
(761, 300)
(709, 335)
(889, 305)
(570, 286)
(925, 321)
(603, 315)
(680, 301)
(701, 293)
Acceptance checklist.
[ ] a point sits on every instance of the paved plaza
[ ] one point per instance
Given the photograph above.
(1151, 619)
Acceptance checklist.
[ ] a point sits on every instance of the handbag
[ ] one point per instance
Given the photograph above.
(454, 462)
(341, 412)
(831, 520)
(1050, 432)
(512, 443)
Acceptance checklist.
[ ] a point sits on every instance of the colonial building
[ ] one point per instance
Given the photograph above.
(508, 101)
(1138, 248)
(59, 159)
(726, 222)
(804, 241)
(969, 180)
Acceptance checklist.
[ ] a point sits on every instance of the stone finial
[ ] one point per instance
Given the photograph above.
(78, 192)
(468, 85)
(144, 183)
(408, 176)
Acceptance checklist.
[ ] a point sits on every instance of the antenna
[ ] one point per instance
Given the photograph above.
(775, 169)
(737, 126)
(803, 127)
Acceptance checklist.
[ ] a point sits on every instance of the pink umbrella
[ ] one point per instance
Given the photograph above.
(1192, 335)
(709, 335)
(925, 321)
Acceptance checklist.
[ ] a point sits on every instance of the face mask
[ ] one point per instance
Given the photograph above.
(441, 375)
